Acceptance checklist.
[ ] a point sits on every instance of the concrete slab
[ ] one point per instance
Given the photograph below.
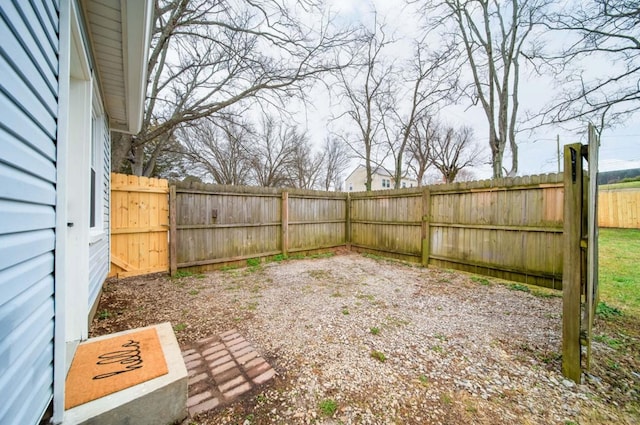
(162, 400)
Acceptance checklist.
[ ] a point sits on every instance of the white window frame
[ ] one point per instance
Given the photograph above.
(97, 160)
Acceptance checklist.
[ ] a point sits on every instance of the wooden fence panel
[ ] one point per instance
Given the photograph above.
(388, 221)
(316, 222)
(139, 225)
(215, 225)
(510, 229)
(619, 208)
(507, 228)
(219, 224)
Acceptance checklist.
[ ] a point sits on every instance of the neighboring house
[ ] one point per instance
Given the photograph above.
(380, 180)
(70, 71)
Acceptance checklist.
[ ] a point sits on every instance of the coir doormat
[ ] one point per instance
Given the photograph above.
(109, 365)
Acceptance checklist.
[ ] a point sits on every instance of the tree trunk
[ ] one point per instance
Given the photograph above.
(120, 148)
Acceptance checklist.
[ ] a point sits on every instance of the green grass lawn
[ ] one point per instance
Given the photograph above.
(619, 274)
(626, 185)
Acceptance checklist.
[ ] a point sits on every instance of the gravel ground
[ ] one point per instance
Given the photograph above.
(358, 340)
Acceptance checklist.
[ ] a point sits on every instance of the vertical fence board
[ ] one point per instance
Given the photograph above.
(572, 273)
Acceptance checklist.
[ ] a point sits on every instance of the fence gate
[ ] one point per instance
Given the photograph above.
(580, 265)
(139, 225)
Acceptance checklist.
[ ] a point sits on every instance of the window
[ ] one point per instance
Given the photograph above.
(96, 183)
(350, 187)
(386, 183)
(404, 184)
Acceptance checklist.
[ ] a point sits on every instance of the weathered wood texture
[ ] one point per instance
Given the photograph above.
(573, 273)
(619, 208)
(220, 224)
(507, 228)
(139, 224)
(388, 221)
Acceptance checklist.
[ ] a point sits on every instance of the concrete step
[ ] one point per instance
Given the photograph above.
(161, 400)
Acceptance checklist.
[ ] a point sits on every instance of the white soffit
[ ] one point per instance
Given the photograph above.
(120, 32)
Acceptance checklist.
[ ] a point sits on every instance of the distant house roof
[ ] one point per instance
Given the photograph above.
(120, 32)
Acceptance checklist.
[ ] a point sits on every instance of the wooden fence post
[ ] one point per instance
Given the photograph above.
(572, 262)
(285, 223)
(347, 223)
(173, 231)
(426, 232)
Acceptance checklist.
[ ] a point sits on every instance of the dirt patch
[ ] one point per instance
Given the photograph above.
(359, 340)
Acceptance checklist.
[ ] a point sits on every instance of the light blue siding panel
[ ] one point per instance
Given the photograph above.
(18, 278)
(20, 186)
(98, 268)
(22, 217)
(35, 35)
(32, 98)
(52, 9)
(20, 307)
(28, 130)
(21, 125)
(25, 158)
(29, 388)
(99, 256)
(18, 247)
(39, 11)
(23, 345)
(12, 53)
(29, 45)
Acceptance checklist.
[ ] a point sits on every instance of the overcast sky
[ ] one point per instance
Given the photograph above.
(620, 146)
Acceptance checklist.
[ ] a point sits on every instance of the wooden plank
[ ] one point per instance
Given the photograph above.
(572, 268)
(173, 231)
(426, 233)
(523, 228)
(592, 235)
(285, 223)
(347, 221)
(122, 264)
(131, 230)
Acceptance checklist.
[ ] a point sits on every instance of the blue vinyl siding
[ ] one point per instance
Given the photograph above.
(99, 254)
(28, 125)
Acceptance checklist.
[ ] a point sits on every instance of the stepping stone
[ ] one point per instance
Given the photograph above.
(221, 369)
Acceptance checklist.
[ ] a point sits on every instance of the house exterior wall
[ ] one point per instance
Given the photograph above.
(99, 250)
(356, 181)
(28, 126)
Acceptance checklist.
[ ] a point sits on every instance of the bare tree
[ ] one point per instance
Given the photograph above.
(421, 138)
(492, 35)
(220, 147)
(272, 153)
(209, 55)
(430, 81)
(453, 150)
(337, 158)
(305, 168)
(597, 31)
(366, 93)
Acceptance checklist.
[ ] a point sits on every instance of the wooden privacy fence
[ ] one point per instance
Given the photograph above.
(217, 224)
(139, 225)
(619, 208)
(506, 228)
